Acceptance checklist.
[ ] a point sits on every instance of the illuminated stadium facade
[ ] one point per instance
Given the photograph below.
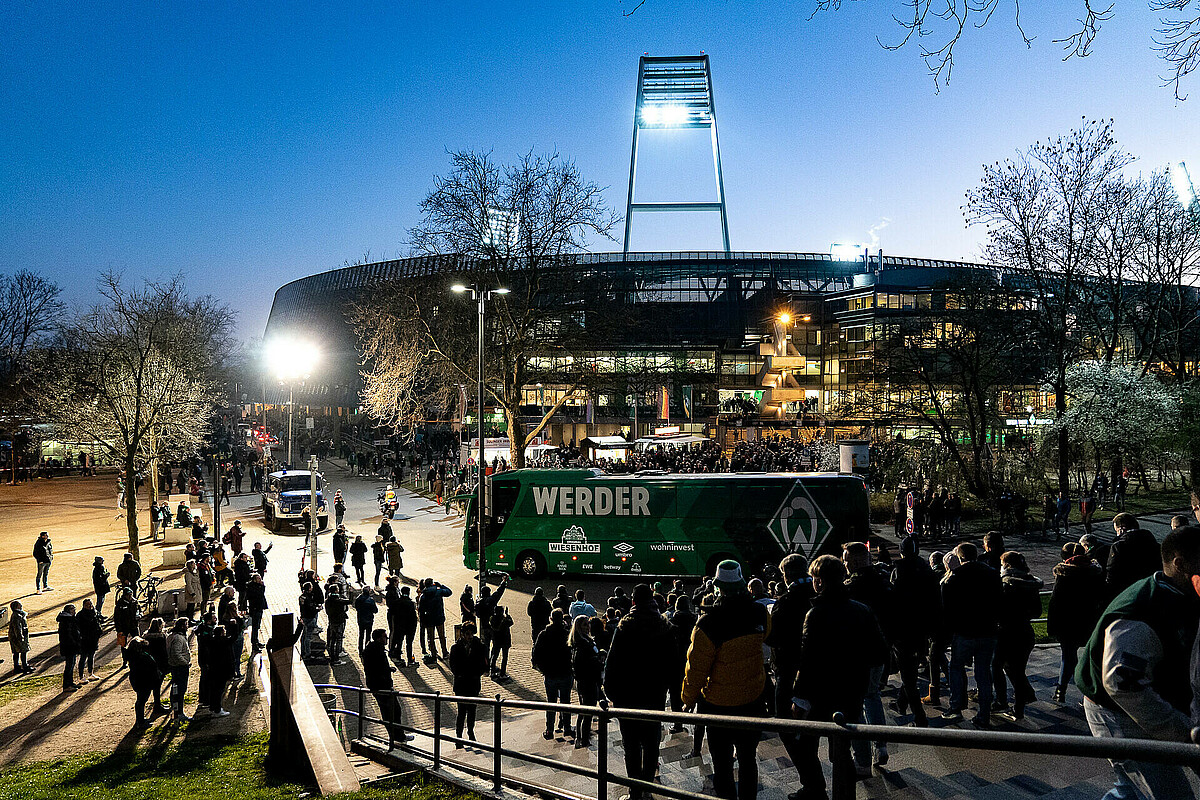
(710, 319)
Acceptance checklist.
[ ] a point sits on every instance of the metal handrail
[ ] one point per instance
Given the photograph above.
(1176, 753)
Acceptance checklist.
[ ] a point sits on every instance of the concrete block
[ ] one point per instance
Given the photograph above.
(174, 556)
(178, 536)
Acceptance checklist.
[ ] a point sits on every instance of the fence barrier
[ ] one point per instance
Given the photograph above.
(1180, 754)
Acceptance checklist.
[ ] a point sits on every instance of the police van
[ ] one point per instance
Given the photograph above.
(286, 496)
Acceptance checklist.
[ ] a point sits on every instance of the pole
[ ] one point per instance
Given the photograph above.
(289, 461)
(497, 741)
(216, 496)
(602, 752)
(480, 466)
(313, 523)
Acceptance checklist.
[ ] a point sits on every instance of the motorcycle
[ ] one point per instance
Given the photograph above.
(387, 501)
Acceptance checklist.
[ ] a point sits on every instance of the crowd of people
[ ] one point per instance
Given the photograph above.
(225, 588)
(823, 640)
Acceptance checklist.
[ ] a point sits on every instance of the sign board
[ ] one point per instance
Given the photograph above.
(911, 502)
(310, 423)
(908, 526)
(381, 443)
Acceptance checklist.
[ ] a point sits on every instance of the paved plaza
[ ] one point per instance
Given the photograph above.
(84, 522)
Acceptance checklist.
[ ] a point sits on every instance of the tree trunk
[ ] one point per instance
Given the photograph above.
(131, 525)
(1064, 443)
(516, 436)
(152, 468)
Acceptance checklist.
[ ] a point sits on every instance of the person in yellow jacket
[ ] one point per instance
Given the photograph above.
(725, 675)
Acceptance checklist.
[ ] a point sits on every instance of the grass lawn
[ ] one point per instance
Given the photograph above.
(230, 767)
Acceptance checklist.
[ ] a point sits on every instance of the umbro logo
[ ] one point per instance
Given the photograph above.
(623, 547)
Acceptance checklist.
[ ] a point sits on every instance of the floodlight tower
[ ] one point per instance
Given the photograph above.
(675, 92)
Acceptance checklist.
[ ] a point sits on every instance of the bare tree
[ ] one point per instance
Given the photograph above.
(143, 364)
(510, 226)
(29, 309)
(938, 28)
(1045, 214)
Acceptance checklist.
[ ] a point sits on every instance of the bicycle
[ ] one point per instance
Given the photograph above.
(146, 594)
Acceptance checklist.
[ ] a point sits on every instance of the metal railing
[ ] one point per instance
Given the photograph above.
(1175, 753)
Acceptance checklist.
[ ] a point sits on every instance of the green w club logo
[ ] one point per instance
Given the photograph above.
(799, 525)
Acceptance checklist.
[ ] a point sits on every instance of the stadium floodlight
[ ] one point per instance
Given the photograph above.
(665, 115)
(458, 288)
(675, 92)
(1184, 188)
(785, 318)
(290, 359)
(847, 252)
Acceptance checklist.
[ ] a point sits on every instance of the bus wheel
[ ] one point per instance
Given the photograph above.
(530, 565)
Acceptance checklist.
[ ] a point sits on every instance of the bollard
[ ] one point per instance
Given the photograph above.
(602, 752)
(496, 742)
(361, 706)
(437, 730)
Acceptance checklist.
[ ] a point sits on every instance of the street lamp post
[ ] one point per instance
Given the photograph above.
(290, 359)
(291, 408)
(480, 295)
(314, 524)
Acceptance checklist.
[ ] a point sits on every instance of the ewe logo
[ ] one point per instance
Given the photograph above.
(573, 541)
(799, 525)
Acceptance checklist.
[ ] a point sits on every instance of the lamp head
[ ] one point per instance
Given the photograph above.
(785, 318)
(458, 288)
(501, 290)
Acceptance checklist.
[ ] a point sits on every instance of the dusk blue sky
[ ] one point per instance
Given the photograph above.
(246, 146)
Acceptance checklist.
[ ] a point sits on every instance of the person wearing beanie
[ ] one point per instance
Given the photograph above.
(725, 675)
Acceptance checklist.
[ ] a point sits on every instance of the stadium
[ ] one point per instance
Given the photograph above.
(741, 342)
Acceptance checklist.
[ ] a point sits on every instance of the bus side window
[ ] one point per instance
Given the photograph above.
(503, 500)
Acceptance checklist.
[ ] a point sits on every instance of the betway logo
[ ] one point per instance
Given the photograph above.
(585, 501)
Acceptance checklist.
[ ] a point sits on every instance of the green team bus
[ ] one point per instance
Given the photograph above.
(584, 522)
